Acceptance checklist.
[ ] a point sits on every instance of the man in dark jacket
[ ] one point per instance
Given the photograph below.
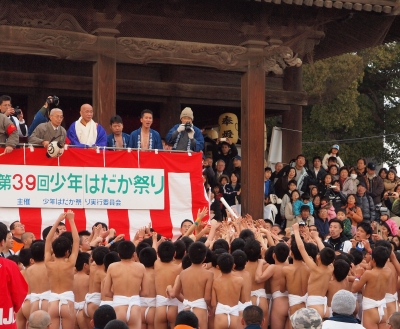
(365, 202)
(375, 185)
(225, 150)
(316, 174)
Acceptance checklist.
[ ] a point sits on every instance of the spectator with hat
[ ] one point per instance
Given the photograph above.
(375, 185)
(237, 164)
(306, 318)
(343, 306)
(334, 152)
(365, 202)
(185, 136)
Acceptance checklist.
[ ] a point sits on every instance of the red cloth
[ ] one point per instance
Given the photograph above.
(13, 290)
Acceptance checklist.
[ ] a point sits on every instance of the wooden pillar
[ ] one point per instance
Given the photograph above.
(252, 132)
(105, 71)
(292, 120)
(171, 109)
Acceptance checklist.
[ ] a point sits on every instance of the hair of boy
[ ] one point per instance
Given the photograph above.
(103, 315)
(25, 256)
(126, 249)
(141, 245)
(67, 235)
(237, 244)
(187, 241)
(197, 252)
(209, 256)
(384, 243)
(148, 256)
(240, 259)
(246, 234)
(327, 244)
(186, 262)
(366, 227)
(340, 210)
(60, 246)
(268, 169)
(37, 250)
(146, 111)
(312, 250)
(45, 232)
(335, 220)
(252, 249)
(268, 255)
(203, 239)
(357, 255)
(149, 241)
(83, 233)
(253, 315)
(268, 221)
(82, 259)
(180, 249)
(292, 181)
(14, 258)
(327, 256)
(332, 159)
(281, 252)
(295, 250)
(115, 119)
(111, 257)
(216, 254)
(316, 158)
(221, 244)
(187, 318)
(166, 251)
(380, 255)
(305, 196)
(98, 254)
(186, 221)
(62, 224)
(225, 263)
(340, 269)
(116, 324)
(103, 225)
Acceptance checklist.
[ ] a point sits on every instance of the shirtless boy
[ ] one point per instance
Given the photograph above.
(376, 283)
(259, 298)
(295, 279)
(320, 272)
(274, 272)
(165, 271)
(81, 286)
(96, 277)
(110, 258)
(147, 257)
(60, 271)
(339, 280)
(126, 278)
(240, 260)
(196, 284)
(37, 279)
(227, 291)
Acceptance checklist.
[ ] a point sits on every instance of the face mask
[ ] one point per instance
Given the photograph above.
(353, 176)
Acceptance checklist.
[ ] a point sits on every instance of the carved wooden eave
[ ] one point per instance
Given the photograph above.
(379, 6)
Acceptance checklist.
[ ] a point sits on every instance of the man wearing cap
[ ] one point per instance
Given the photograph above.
(225, 150)
(185, 136)
(375, 185)
(334, 152)
(365, 202)
(343, 306)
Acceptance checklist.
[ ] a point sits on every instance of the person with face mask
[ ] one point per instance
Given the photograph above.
(350, 184)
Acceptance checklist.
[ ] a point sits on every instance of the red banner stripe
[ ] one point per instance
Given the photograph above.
(118, 219)
(32, 219)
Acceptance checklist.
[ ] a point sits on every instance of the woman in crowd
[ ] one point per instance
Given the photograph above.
(317, 204)
(343, 175)
(281, 185)
(353, 212)
(333, 152)
(235, 183)
(289, 215)
(313, 192)
(325, 186)
(383, 173)
(333, 170)
(350, 184)
(391, 181)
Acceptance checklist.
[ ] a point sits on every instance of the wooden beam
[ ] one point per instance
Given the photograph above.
(252, 135)
(156, 88)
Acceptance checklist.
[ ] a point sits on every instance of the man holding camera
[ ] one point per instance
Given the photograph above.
(42, 116)
(185, 136)
(49, 131)
(15, 115)
(8, 130)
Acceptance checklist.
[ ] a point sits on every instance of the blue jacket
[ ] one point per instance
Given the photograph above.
(39, 118)
(100, 141)
(111, 140)
(322, 227)
(156, 139)
(197, 144)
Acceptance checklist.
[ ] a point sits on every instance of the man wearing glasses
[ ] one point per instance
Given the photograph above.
(17, 229)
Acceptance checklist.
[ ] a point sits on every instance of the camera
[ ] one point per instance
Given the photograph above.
(188, 126)
(52, 101)
(390, 194)
(17, 111)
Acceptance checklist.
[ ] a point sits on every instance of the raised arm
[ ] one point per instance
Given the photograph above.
(75, 243)
(50, 236)
(200, 216)
(261, 276)
(307, 259)
(317, 239)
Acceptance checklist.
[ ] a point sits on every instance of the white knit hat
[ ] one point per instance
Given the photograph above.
(343, 302)
(187, 112)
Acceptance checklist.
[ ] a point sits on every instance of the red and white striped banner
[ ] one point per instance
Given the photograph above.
(184, 190)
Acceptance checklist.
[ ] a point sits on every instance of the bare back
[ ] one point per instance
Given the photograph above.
(319, 279)
(246, 283)
(96, 276)
(296, 278)
(126, 277)
(251, 267)
(149, 277)
(165, 274)
(61, 275)
(196, 283)
(227, 289)
(334, 286)
(37, 278)
(377, 284)
(81, 286)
